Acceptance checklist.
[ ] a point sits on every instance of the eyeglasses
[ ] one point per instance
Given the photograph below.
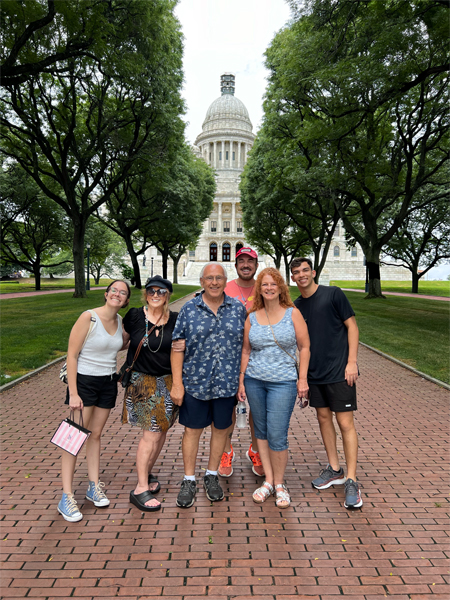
(120, 292)
(160, 292)
(210, 278)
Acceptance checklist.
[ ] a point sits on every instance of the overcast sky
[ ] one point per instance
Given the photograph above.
(231, 35)
(221, 36)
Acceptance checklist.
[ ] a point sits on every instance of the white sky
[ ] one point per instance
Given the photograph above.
(221, 36)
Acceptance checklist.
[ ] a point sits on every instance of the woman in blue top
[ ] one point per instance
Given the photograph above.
(273, 331)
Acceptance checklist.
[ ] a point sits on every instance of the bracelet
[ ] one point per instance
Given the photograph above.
(241, 372)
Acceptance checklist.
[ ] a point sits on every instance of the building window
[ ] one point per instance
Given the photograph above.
(336, 251)
(226, 155)
(239, 226)
(213, 226)
(191, 253)
(336, 231)
(234, 155)
(226, 226)
(220, 155)
(354, 251)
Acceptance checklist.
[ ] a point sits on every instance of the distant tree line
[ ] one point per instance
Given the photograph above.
(92, 138)
(356, 127)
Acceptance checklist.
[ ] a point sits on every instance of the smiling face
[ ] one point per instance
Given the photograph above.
(269, 288)
(117, 295)
(156, 296)
(303, 276)
(246, 267)
(213, 282)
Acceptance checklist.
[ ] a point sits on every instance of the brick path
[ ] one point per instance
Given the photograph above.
(395, 547)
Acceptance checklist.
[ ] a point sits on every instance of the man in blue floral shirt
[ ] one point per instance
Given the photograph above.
(206, 376)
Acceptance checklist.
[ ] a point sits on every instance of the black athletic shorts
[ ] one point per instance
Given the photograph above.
(338, 397)
(96, 390)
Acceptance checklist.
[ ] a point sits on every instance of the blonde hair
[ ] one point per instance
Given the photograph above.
(166, 309)
(284, 298)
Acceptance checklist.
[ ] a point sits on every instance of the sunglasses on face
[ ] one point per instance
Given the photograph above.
(160, 292)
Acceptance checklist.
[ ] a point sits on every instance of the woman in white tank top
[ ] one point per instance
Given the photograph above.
(94, 342)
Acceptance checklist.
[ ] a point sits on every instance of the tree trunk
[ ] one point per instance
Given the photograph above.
(175, 269)
(164, 264)
(37, 276)
(415, 282)
(374, 279)
(52, 276)
(134, 261)
(78, 259)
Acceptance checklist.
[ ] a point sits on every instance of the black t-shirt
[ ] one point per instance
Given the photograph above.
(325, 312)
(152, 363)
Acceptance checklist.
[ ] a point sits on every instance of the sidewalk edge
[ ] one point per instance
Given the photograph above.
(402, 364)
(11, 384)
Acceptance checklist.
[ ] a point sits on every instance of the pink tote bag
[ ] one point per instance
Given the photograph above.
(70, 436)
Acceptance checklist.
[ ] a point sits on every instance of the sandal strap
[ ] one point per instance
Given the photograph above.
(282, 493)
(264, 491)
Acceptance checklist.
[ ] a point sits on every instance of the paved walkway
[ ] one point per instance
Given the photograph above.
(9, 296)
(395, 547)
(421, 296)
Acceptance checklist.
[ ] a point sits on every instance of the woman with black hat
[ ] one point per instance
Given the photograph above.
(147, 402)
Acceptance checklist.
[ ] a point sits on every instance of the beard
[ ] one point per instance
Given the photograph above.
(246, 276)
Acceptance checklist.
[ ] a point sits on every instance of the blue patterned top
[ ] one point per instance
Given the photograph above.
(213, 347)
(268, 362)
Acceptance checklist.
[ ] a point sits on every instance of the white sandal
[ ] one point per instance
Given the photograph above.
(283, 500)
(262, 493)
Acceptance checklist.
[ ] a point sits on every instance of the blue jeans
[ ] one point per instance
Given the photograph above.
(271, 404)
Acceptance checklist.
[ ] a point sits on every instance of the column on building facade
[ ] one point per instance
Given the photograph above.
(215, 155)
(231, 152)
(233, 217)
(219, 220)
(245, 153)
(223, 153)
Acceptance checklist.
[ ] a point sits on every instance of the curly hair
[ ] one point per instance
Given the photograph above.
(284, 298)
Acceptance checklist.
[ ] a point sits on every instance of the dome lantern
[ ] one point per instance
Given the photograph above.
(227, 84)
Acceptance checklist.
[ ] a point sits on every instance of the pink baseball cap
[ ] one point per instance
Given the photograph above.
(247, 251)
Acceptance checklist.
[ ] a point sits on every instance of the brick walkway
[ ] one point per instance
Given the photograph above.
(395, 547)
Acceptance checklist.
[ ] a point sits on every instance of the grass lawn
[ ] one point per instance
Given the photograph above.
(28, 285)
(427, 288)
(35, 329)
(412, 330)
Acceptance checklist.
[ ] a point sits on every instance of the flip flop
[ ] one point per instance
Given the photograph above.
(153, 479)
(139, 500)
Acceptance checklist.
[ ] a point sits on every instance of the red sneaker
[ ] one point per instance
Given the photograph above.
(255, 459)
(225, 467)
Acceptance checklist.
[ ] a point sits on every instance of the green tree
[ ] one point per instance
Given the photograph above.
(80, 128)
(31, 230)
(106, 252)
(358, 89)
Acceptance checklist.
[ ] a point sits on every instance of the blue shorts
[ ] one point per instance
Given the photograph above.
(271, 404)
(198, 414)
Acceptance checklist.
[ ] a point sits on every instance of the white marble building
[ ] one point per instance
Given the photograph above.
(226, 138)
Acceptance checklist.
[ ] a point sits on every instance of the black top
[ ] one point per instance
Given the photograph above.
(152, 363)
(325, 312)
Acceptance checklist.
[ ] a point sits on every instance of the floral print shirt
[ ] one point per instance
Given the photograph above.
(213, 347)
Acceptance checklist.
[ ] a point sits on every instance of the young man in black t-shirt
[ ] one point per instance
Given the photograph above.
(332, 373)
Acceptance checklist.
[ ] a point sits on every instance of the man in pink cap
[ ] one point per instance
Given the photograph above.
(242, 289)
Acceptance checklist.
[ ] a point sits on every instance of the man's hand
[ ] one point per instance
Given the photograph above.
(179, 345)
(351, 373)
(177, 394)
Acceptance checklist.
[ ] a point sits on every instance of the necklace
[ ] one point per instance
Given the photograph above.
(146, 343)
(244, 299)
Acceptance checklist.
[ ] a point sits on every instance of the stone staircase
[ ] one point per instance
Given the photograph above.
(193, 270)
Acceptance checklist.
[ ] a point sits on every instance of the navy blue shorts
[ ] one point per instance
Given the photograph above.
(198, 414)
(338, 397)
(96, 390)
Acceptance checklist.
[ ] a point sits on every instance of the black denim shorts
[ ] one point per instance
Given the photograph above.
(96, 390)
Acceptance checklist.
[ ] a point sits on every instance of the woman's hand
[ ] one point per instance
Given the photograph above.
(177, 394)
(75, 402)
(241, 395)
(302, 388)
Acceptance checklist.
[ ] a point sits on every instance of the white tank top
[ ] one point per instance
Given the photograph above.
(99, 354)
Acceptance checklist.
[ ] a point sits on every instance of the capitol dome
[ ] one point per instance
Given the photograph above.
(225, 113)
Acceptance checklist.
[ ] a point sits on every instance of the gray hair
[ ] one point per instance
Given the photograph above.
(202, 272)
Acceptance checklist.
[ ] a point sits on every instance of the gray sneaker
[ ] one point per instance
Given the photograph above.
(186, 495)
(352, 495)
(212, 486)
(328, 477)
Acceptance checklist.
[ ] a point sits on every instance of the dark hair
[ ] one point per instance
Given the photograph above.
(298, 261)
(120, 281)
(284, 298)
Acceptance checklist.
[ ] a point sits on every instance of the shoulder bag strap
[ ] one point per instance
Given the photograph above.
(136, 354)
(276, 342)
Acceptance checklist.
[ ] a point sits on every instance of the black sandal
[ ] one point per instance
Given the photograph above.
(139, 500)
(153, 479)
